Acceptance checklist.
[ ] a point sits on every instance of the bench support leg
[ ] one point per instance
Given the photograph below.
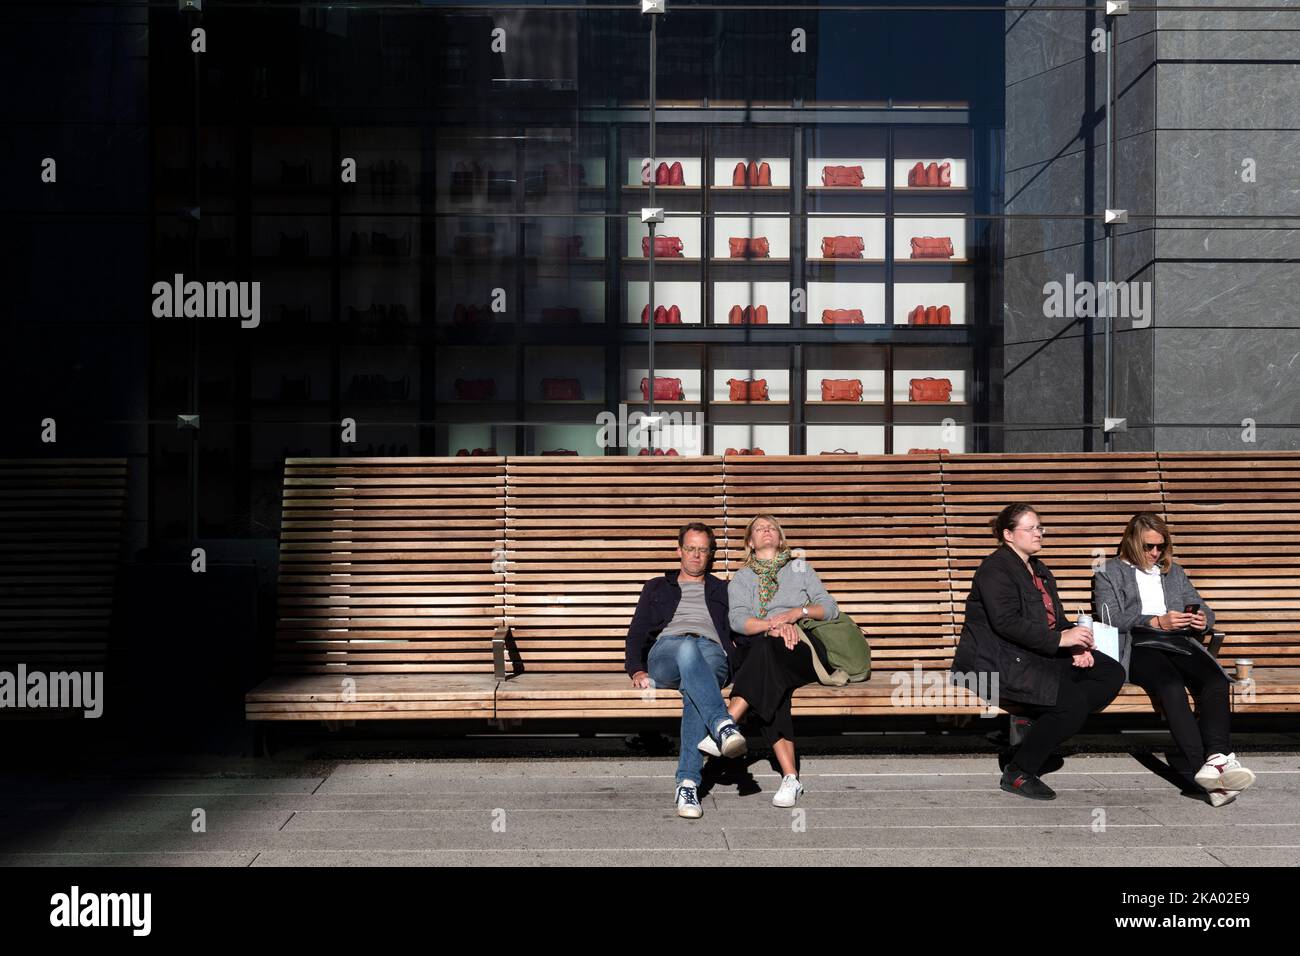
(503, 646)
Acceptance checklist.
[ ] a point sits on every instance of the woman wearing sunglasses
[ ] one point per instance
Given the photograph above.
(1162, 621)
(1016, 628)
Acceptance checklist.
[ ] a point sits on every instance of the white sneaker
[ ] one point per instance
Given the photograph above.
(1219, 798)
(1224, 773)
(688, 801)
(790, 791)
(733, 742)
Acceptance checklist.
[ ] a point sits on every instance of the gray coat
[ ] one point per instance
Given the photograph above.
(1115, 587)
(797, 585)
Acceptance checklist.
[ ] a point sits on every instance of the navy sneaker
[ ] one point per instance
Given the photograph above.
(688, 801)
(730, 743)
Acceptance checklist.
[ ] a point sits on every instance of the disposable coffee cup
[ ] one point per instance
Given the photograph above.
(1243, 668)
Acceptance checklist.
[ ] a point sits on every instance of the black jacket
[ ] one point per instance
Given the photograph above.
(1006, 629)
(655, 610)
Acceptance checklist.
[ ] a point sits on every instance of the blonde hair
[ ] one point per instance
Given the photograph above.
(749, 535)
(1130, 545)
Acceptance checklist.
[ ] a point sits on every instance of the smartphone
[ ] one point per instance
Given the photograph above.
(1191, 608)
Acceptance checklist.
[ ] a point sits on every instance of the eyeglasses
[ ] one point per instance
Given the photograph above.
(697, 550)
(764, 527)
(1153, 547)
(1034, 527)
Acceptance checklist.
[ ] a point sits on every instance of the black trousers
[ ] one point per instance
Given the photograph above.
(767, 677)
(1168, 678)
(1083, 691)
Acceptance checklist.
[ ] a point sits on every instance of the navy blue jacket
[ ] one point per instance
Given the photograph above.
(655, 610)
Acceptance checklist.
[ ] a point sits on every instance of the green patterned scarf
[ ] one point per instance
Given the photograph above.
(767, 571)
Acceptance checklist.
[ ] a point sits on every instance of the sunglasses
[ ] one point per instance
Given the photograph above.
(1153, 547)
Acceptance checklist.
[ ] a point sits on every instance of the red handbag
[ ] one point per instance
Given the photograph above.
(658, 451)
(744, 451)
(842, 175)
(916, 175)
(930, 247)
(925, 451)
(738, 175)
(561, 314)
(756, 248)
(665, 246)
(764, 174)
(843, 247)
(748, 389)
(663, 316)
(562, 245)
(749, 315)
(475, 389)
(945, 174)
(662, 175)
(675, 175)
(476, 453)
(842, 317)
(666, 390)
(559, 451)
(561, 389)
(929, 390)
(841, 390)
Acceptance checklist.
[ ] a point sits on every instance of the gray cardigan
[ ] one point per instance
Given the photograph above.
(797, 585)
(1115, 586)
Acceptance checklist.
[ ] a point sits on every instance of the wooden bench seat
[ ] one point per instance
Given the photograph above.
(502, 588)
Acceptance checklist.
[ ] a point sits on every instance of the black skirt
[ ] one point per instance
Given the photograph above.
(768, 675)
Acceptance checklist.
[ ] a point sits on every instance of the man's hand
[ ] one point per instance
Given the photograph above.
(641, 680)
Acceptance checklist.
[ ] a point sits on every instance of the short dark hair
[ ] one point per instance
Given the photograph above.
(1009, 517)
(702, 528)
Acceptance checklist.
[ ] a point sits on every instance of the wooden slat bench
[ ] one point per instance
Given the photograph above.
(568, 542)
(391, 592)
(60, 546)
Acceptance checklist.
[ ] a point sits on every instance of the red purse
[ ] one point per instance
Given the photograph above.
(663, 316)
(842, 175)
(675, 175)
(744, 451)
(916, 175)
(930, 247)
(929, 390)
(749, 315)
(842, 317)
(748, 389)
(843, 247)
(663, 175)
(475, 389)
(561, 389)
(738, 175)
(756, 248)
(841, 390)
(665, 247)
(666, 390)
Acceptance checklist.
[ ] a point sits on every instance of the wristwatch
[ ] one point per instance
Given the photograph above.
(803, 611)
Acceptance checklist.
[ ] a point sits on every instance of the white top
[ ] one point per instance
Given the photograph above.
(1152, 591)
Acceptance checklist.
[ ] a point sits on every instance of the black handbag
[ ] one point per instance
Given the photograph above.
(1171, 642)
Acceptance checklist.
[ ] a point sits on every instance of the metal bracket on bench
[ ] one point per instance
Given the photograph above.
(503, 643)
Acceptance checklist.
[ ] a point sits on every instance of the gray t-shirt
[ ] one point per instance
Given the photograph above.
(692, 616)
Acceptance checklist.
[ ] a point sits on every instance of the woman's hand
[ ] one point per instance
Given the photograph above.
(786, 617)
(787, 633)
(1173, 620)
(1198, 620)
(1077, 637)
(1082, 659)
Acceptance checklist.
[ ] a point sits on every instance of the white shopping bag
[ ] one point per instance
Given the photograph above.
(1105, 637)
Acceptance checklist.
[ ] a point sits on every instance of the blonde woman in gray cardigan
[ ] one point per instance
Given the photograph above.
(768, 596)
(1147, 596)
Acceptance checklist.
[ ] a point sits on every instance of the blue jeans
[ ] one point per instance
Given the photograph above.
(698, 668)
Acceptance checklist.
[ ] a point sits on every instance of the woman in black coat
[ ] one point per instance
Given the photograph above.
(1016, 628)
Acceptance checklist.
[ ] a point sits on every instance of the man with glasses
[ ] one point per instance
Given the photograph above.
(679, 639)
